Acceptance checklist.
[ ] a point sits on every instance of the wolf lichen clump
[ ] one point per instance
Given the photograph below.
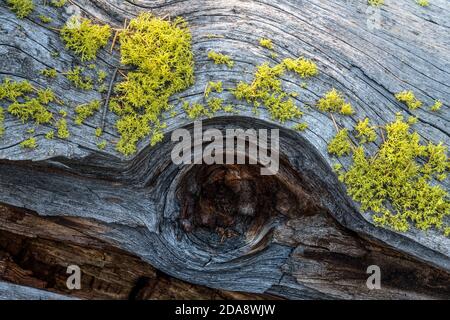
(408, 98)
(58, 3)
(266, 43)
(49, 73)
(333, 101)
(213, 87)
(375, 3)
(84, 37)
(396, 182)
(266, 90)
(161, 53)
(22, 8)
(76, 77)
(220, 58)
(340, 145)
(29, 143)
(86, 110)
(423, 3)
(63, 130)
(366, 132)
(436, 106)
(26, 103)
(303, 67)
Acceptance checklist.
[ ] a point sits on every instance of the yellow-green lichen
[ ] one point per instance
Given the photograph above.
(423, 3)
(45, 19)
(365, 132)
(22, 8)
(86, 110)
(63, 130)
(98, 132)
(78, 79)
(49, 73)
(266, 90)
(375, 3)
(300, 126)
(85, 38)
(303, 67)
(213, 87)
(50, 135)
(161, 53)
(396, 184)
(408, 98)
(436, 106)
(58, 3)
(220, 58)
(12, 90)
(101, 76)
(266, 43)
(29, 143)
(341, 144)
(333, 101)
(102, 145)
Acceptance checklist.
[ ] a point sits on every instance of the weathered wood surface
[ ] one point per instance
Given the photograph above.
(310, 241)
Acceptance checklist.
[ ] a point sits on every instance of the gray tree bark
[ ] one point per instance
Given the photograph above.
(306, 238)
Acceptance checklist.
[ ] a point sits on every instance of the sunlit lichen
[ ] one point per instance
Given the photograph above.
(101, 145)
(45, 19)
(423, 3)
(85, 38)
(22, 8)
(436, 106)
(49, 73)
(266, 90)
(101, 76)
(220, 58)
(408, 98)
(63, 130)
(29, 143)
(58, 3)
(12, 90)
(365, 132)
(50, 135)
(98, 132)
(266, 43)
(86, 110)
(340, 145)
(76, 77)
(161, 52)
(300, 126)
(375, 3)
(213, 87)
(303, 67)
(397, 185)
(333, 101)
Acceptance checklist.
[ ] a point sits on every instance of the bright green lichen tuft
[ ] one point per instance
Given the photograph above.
(423, 3)
(220, 58)
(365, 132)
(29, 143)
(196, 110)
(32, 109)
(45, 96)
(49, 73)
(213, 87)
(45, 19)
(98, 132)
(50, 135)
(396, 184)
(84, 37)
(408, 98)
(63, 131)
(266, 90)
(375, 3)
(86, 110)
(101, 145)
(101, 76)
(333, 101)
(436, 106)
(340, 145)
(82, 82)
(12, 90)
(161, 53)
(300, 126)
(22, 8)
(266, 43)
(58, 3)
(303, 67)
